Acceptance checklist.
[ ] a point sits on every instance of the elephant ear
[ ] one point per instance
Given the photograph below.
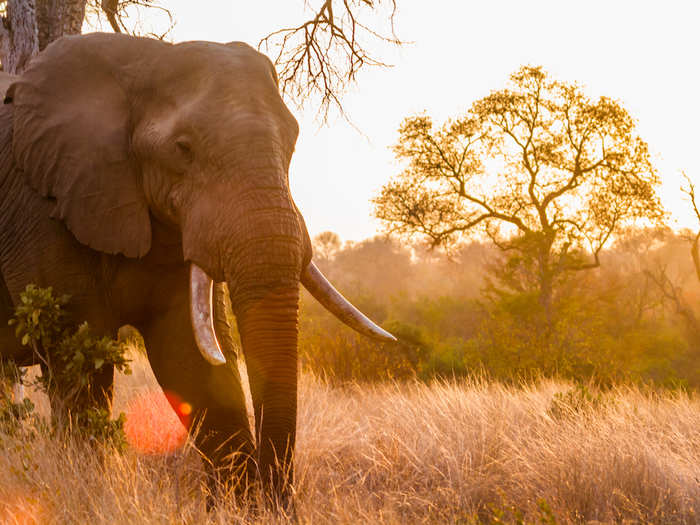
(71, 139)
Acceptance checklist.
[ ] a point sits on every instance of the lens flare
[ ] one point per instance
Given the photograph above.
(153, 427)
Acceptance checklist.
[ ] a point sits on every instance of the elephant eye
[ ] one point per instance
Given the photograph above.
(184, 148)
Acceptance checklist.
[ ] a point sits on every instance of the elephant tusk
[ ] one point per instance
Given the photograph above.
(324, 292)
(201, 291)
(18, 392)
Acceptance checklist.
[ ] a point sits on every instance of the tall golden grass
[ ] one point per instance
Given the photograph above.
(460, 452)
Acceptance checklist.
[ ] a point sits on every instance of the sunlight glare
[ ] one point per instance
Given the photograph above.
(152, 427)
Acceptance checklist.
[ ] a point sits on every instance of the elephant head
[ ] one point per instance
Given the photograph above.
(119, 132)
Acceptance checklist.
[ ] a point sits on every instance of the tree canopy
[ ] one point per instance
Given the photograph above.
(545, 172)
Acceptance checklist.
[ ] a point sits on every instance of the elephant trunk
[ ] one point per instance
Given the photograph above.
(268, 328)
(263, 266)
(260, 248)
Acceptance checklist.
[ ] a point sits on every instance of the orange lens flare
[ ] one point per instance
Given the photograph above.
(152, 427)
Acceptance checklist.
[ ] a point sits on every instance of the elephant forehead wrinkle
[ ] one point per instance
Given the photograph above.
(240, 150)
(245, 195)
(275, 249)
(256, 224)
(247, 293)
(220, 81)
(248, 127)
(261, 275)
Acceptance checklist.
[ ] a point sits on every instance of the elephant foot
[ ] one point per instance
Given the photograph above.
(231, 481)
(254, 505)
(243, 485)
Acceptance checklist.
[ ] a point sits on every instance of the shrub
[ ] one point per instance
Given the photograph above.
(71, 362)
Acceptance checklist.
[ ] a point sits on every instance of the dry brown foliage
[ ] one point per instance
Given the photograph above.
(469, 452)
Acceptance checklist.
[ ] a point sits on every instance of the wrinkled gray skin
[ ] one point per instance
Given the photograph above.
(5, 81)
(122, 160)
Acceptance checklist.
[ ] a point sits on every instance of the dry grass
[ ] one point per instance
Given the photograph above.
(444, 453)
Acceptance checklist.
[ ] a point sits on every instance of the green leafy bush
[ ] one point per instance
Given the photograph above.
(506, 336)
(40, 319)
(96, 425)
(481, 312)
(77, 357)
(72, 361)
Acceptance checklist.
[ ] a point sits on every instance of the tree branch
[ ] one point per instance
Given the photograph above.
(323, 55)
(110, 9)
(695, 244)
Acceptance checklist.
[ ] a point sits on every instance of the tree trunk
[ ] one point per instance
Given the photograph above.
(547, 274)
(546, 295)
(57, 18)
(695, 254)
(18, 35)
(30, 25)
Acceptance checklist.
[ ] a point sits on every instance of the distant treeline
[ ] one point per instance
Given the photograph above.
(631, 319)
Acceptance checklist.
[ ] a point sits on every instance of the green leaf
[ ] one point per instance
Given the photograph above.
(25, 339)
(99, 362)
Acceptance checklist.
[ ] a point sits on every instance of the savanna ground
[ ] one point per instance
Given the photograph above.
(467, 451)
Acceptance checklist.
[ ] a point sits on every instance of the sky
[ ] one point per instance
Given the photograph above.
(643, 53)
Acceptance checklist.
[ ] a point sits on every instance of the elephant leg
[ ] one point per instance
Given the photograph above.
(10, 348)
(64, 395)
(43, 252)
(65, 402)
(214, 394)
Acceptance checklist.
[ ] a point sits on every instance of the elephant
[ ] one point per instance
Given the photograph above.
(149, 181)
(5, 80)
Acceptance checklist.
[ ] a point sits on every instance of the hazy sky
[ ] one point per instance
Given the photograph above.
(645, 53)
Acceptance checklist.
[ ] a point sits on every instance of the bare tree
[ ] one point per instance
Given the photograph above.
(672, 287)
(694, 239)
(673, 294)
(28, 26)
(127, 16)
(19, 39)
(326, 245)
(322, 55)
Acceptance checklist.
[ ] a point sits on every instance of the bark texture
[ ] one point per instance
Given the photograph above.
(30, 25)
(18, 35)
(57, 18)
